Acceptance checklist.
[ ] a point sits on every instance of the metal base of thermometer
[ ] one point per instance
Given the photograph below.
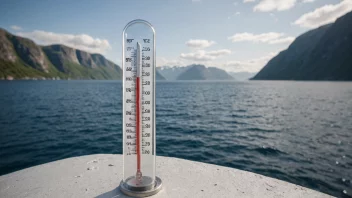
(145, 187)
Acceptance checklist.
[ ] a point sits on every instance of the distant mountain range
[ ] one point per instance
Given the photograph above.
(324, 53)
(194, 72)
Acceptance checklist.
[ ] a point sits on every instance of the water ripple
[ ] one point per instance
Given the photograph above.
(295, 131)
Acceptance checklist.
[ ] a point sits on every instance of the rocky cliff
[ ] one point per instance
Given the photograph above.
(324, 53)
(22, 58)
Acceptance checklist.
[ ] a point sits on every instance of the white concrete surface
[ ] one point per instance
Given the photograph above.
(100, 175)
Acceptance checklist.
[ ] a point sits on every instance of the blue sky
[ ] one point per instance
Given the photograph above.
(236, 35)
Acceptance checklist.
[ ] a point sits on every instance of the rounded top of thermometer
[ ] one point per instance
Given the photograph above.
(138, 21)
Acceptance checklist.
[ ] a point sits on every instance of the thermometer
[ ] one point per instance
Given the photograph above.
(138, 63)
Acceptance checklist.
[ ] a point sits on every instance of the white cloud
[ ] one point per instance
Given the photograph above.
(237, 13)
(270, 38)
(197, 43)
(217, 53)
(324, 15)
(202, 55)
(253, 65)
(308, 1)
(15, 27)
(162, 61)
(284, 40)
(79, 41)
(271, 5)
(265, 37)
(247, 1)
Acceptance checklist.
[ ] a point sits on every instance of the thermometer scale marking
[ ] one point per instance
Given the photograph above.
(139, 84)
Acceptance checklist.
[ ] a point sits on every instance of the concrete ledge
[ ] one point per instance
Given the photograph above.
(100, 175)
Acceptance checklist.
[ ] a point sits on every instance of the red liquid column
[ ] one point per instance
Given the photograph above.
(138, 128)
(138, 112)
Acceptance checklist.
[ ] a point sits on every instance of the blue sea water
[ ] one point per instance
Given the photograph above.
(300, 132)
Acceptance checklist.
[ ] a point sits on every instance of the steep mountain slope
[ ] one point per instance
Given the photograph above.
(219, 74)
(78, 64)
(241, 76)
(200, 72)
(7, 51)
(158, 76)
(324, 53)
(22, 58)
(30, 53)
(196, 72)
(332, 57)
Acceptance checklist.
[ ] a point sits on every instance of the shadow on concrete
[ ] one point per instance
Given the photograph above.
(116, 193)
(113, 194)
